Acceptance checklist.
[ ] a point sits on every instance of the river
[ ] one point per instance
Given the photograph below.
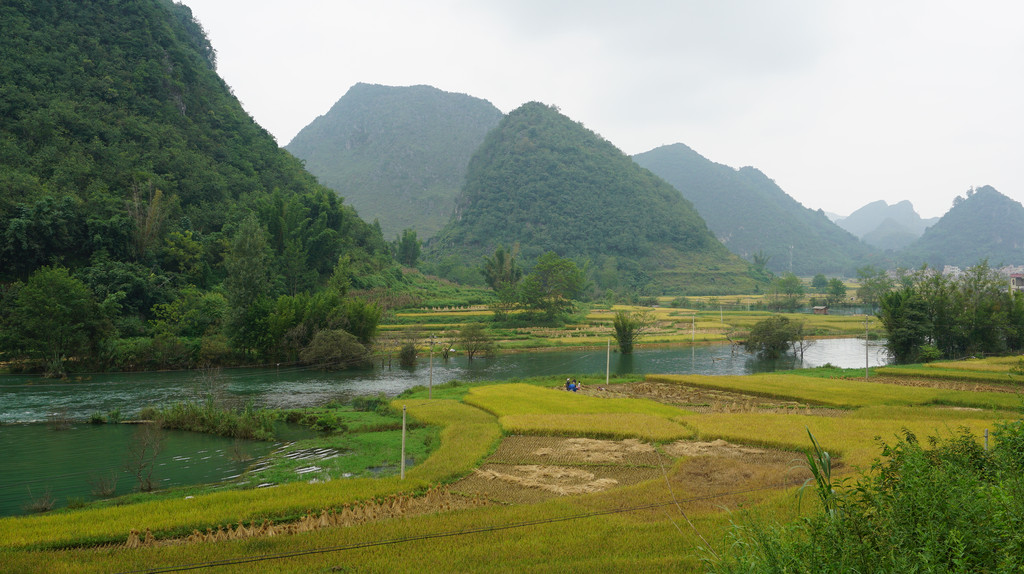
(69, 465)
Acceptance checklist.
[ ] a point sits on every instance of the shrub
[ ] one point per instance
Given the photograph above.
(367, 403)
(97, 419)
(407, 355)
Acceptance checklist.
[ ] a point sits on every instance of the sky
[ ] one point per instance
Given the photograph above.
(840, 102)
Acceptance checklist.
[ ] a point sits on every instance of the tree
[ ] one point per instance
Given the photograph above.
(873, 284)
(904, 314)
(836, 292)
(552, 285)
(55, 317)
(334, 349)
(819, 283)
(473, 338)
(772, 337)
(407, 248)
(248, 284)
(628, 326)
(500, 270)
(787, 290)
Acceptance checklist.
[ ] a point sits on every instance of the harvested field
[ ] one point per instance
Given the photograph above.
(528, 469)
(703, 401)
(946, 384)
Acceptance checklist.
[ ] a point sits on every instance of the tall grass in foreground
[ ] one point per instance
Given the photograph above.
(953, 507)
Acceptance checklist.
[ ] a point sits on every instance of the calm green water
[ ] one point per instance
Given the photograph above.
(68, 463)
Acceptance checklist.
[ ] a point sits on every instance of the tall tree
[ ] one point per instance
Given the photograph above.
(248, 283)
(55, 317)
(627, 327)
(407, 248)
(552, 285)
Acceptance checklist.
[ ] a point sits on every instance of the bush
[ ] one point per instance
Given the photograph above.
(952, 508)
(407, 355)
(367, 403)
(97, 419)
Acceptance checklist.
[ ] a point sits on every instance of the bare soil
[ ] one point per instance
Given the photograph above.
(701, 400)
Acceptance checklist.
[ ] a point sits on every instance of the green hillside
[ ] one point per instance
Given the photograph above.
(126, 161)
(546, 183)
(750, 214)
(983, 225)
(397, 154)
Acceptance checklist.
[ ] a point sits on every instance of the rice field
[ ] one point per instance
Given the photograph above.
(531, 478)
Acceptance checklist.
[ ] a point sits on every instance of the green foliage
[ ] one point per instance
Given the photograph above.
(786, 291)
(874, 283)
(552, 285)
(54, 318)
(819, 283)
(475, 340)
(952, 508)
(407, 248)
(407, 355)
(546, 183)
(125, 159)
(772, 337)
(836, 291)
(206, 416)
(334, 349)
(628, 326)
(973, 314)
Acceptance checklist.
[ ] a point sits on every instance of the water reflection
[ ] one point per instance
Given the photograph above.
(32, 399)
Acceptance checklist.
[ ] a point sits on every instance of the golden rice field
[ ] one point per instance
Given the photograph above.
(528, 477)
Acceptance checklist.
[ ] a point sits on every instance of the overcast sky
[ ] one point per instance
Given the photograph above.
(841, 103)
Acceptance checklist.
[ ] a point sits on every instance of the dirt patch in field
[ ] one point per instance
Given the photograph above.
(560, 450)
(715, 474)
(702, 400)
(946, 384)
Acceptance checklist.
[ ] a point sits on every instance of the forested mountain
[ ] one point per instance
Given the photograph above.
(983, 225)
(127, 166)
(397, 154)
(751, 215)
(543, 182)
(886, 226)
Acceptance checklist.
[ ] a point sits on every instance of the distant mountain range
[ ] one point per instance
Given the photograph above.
(545, 183)
(401, 156)
(397, 154)
(983, 225)
(885, 226)
(751, 215)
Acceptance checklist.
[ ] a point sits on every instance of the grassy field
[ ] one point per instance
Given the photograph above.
(607, 484)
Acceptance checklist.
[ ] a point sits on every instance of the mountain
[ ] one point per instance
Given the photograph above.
(752, 215)
(397, 154)
(125, 158)
(546, 183)
(983, 225)
(886, 226)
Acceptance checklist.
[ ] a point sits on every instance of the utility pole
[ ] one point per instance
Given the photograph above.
(866, 347)
(608, 364)
(430, 384)
(403, 442)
